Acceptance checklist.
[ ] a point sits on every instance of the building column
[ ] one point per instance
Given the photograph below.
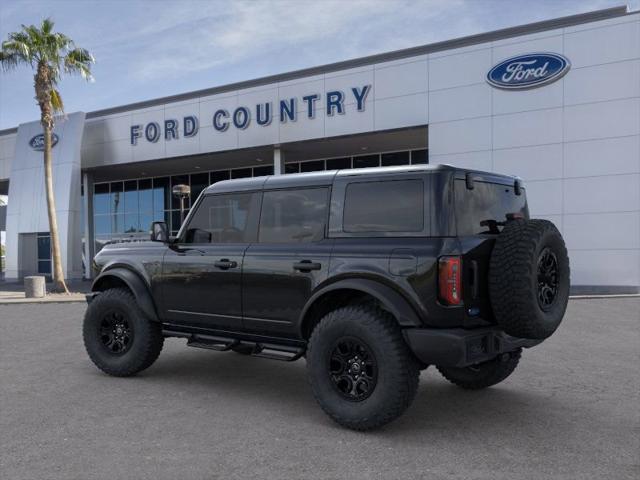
(87, 185)
(278, 161)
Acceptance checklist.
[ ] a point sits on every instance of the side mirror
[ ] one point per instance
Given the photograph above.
(159, 232)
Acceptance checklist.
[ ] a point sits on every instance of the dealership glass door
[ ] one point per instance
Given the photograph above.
(44, 253)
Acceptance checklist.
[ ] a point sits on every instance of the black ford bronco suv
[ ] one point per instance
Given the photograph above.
(370, 274)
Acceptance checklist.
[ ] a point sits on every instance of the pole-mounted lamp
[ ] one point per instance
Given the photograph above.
(182, 192)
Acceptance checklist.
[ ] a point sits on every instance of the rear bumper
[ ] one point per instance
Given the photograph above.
(457, 347)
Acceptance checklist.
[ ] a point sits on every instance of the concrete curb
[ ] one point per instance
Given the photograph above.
(73, 298)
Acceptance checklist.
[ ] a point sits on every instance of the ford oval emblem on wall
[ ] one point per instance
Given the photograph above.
(37, 142)
(528, 71)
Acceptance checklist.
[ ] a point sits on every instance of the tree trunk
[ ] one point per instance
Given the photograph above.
(59, 284)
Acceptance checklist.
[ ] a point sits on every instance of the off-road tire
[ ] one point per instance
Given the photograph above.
(514, 278)
(147, 338)
(397, 370)
(484, 374)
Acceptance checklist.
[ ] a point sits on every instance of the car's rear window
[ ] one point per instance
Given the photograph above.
(384, 206)
(487, 201)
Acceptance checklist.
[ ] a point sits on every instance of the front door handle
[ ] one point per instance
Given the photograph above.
(225, 264)
(306, 266)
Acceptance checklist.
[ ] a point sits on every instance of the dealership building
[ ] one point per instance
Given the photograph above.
(555, 102)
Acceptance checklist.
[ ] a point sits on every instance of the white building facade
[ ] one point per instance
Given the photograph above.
(572, 133)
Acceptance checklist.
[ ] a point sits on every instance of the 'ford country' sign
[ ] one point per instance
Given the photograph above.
(528, 71)
(37, 142)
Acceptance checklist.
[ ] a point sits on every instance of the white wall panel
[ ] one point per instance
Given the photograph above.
(607, 156)
(117, 127)
(603, 45)
(527, 128)
(351, 122)
(456, 70)
(403, 79)
(616, 118)
(594, 231)
(460, 136)
(530, 163)
(617, 193)
(459, 103)
(605, 267)
(304, 128)
(549, 96)
(399, 112)
(345, 83)
(549, 41)
(544, 197)
(602, 82)
(472, 160)
(212, 140)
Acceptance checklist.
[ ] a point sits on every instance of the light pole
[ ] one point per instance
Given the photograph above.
(182, 192)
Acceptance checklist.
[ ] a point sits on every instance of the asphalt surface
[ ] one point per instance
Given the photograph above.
(570, 411)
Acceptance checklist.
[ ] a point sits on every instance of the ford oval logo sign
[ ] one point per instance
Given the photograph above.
(37, 142)
(528, 71)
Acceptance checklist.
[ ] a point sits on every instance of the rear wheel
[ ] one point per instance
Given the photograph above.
(360, 369)
(484, 374)
(118, 337)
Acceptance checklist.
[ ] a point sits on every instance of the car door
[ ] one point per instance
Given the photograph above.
(290, 258)
(202, 271)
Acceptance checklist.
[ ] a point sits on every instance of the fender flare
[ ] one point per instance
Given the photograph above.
(395, 303)
(137, 286)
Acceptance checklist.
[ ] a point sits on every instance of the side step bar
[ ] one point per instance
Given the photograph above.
(271, 351)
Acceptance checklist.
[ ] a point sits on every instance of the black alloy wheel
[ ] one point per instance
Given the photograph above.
(116, 332)
(353, 369)
(547, 279)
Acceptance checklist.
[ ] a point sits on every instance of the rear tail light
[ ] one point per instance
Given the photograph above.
(450, 280)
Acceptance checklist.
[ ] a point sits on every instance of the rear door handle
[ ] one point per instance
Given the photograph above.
(225, 264)
(306, 266)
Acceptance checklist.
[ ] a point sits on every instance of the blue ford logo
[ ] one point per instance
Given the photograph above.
(37, 142)
(528, 71)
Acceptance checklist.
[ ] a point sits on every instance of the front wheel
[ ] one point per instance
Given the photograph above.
(119, 338)
(360, 369)
(483, 375)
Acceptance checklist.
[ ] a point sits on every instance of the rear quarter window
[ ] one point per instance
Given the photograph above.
(384, 206)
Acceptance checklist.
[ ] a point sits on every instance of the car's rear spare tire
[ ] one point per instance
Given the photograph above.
(529, 278)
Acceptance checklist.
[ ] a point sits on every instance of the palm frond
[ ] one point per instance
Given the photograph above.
(56, 101)
(79, 61)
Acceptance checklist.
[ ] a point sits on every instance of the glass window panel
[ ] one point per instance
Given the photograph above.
(44, 266)
(387, 206)
(131, 203)
(419, 157)
(262, 171)
(395, 158)
(117, 198)
(199, 181)
(240, 173)
(366, 161)
(293, 216)
(313, 166)
(146, 219)
(44, 247)
(145, 195)
(179, 180)
(161, 194)
(101, 198)
(131, 223)
(291, 168)
(117, 223)
(219, 176)
(223, 219)
(102, 224)
(338, 163)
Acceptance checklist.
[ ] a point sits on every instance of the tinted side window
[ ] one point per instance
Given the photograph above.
(223, 219)
(293, 215)
(385, 206)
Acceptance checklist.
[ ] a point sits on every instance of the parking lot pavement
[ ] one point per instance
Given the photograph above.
(570, 411)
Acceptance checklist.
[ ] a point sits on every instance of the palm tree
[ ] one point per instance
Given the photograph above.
(50, 55)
